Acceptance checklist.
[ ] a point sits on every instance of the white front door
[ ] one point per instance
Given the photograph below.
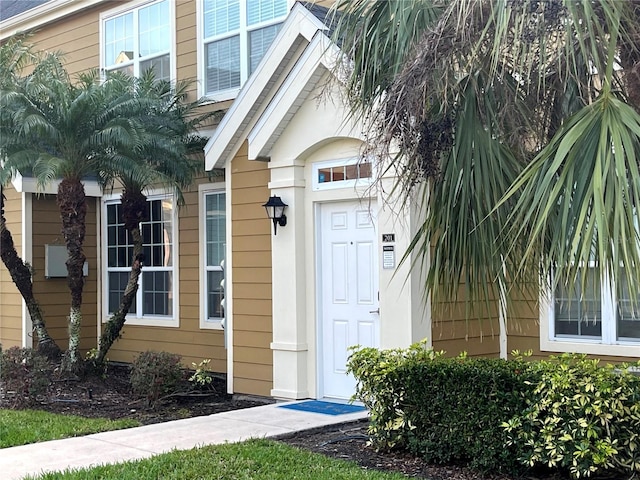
(348, 271)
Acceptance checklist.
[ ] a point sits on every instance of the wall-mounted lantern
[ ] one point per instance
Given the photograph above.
(275, 211)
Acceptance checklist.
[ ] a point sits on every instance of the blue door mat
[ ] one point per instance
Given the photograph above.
(326, 408)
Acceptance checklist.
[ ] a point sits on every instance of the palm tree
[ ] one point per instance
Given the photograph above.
(172, 160)
(518, 122)
(14, 55)
(58, 129)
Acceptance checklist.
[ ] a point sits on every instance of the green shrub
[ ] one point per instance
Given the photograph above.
(155, 375)
(25, 376)
(442, 409)
(581, 417)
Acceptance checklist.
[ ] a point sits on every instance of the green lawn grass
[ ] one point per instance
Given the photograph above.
(19, 427)
(254, 459)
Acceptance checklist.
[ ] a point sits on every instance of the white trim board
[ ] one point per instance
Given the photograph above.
(41, 15)
(30, 185)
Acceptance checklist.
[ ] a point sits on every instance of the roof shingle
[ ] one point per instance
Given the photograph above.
(11, 8)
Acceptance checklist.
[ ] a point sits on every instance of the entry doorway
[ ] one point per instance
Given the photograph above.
(348, 296)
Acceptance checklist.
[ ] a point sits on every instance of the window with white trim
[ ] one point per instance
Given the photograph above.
(138, 39)
(215, 243)
(595, 313)
(235, 36)
(342, 173)
(155, 296)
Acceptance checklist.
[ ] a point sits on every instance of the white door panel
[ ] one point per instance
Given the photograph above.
(348, 296)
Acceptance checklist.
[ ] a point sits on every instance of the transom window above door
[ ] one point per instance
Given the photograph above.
(343, 173)
(235, 36)
(138, 39)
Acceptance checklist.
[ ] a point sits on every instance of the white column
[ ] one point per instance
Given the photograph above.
(27, 256)
(288, 257)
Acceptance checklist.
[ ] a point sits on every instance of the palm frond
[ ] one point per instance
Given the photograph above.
(580, 197)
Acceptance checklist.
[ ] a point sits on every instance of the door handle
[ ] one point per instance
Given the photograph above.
(375, 311)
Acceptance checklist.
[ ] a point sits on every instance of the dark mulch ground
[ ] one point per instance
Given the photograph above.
(111, 397)
(348, 441)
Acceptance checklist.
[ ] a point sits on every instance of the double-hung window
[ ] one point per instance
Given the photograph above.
(235, 36)
(155, 299)
(592, 318)
(214, 242)
(138, 39)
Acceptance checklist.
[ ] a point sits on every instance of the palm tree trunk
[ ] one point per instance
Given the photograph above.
(21, 276)
(111, 331)
(73, 211)
(135, 210)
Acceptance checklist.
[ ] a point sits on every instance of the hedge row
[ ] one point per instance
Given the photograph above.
(502, 416)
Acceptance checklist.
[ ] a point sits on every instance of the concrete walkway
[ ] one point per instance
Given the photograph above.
(142, 442)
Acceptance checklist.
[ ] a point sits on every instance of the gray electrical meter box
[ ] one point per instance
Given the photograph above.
(55, 257)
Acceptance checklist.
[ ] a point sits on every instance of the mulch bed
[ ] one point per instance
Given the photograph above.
(349, 441)
(110, 397)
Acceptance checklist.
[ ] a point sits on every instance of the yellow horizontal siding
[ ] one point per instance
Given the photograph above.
(252, 275)
(251, 338)
(252, 386)
(251, 259)
(487, 347)
(248, 227)
(252, 291)
(252, 321)
(13, 216)
(53, 293)
(250, 306)
(10, 298)
(76, 36)
(462, 329)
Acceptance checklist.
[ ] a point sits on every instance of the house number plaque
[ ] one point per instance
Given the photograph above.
(388, 237)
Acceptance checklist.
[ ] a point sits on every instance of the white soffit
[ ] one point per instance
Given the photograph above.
(30, 185)
(317, 59)
(300, 26)
(41, 15)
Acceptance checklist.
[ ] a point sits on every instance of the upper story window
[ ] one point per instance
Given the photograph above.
(138, 39)
(154, 302)
(235, 35)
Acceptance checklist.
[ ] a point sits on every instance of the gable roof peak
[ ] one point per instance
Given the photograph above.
(300, 28)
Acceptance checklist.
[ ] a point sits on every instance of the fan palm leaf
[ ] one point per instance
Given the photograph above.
(552, 129)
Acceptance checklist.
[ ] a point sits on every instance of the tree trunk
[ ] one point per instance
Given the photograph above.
(111, 331)
(73, 212)
(135, 209)
(21, 276)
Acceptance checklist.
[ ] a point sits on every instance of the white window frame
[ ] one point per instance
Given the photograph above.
(342, 162)
(135, 7)
(214, 323)
(608, 344)
(243, 32)
(138, 318)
